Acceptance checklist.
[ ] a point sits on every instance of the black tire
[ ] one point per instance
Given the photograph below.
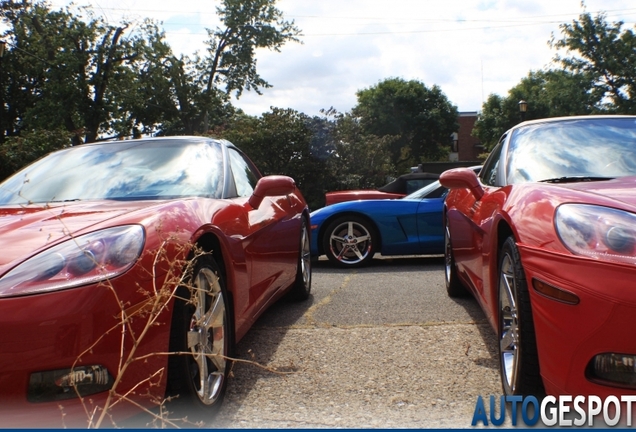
(350, 241)
(454, 287)
(301, 288)
(518, 356)
(201, 324)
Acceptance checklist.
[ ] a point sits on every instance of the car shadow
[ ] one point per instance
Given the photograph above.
(486, 332)
(381, 263)
(254, 354)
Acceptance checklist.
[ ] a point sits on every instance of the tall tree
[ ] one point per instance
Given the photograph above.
(421, 119)
(597, 75)
(71, 73)
(551, 93)
(606, 54)
(202, 86)
(247, 26)
(73, 70)
(359, 160)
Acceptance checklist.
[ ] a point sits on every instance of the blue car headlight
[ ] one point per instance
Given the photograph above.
(82, 260)
(597, 232)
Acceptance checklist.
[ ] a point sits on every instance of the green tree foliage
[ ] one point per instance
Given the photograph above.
(202, 86)
(357, 160)
(494, 120)
(551, 93)
(74, 73)
(420, 119)
(194, 109)
(597, 75)
(248, 25)
(606, 54)
(279, 142)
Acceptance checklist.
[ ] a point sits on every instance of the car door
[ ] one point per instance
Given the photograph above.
(430, 227)
(471, 225)
(272, 243)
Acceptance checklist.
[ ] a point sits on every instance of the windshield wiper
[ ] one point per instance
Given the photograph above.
(574, 179)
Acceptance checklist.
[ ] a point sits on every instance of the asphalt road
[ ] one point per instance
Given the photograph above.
(377, 347)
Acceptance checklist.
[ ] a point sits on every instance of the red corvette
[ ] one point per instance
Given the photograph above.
(128, 271)
(400, 187)
(545, 239)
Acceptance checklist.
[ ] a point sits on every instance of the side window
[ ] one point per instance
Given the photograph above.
(415, 185)
(244, 172)
(488, 173)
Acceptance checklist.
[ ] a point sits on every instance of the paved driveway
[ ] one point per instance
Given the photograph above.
(381, 346)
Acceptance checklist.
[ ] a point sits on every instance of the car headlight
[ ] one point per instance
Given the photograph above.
(82, 260)
(597, 232)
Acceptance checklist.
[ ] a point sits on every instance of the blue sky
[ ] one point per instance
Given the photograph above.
(469, 48)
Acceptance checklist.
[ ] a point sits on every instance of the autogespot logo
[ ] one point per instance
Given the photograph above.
(563, 410)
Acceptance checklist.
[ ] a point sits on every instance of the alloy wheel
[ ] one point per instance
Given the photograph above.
(350, 242)
(508, 324)
(206, 337)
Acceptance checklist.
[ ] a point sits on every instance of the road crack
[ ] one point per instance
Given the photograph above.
(309, 315)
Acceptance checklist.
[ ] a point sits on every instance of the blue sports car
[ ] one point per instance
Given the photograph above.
(351, 232)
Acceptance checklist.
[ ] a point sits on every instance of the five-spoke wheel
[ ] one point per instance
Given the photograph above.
(519, 362)
(201, 339)
(350, 241)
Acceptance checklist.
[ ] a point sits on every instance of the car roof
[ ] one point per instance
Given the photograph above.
(397, 185)
(569, 118)
(188, 138)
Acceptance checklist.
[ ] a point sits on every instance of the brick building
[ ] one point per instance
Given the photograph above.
(465, 146)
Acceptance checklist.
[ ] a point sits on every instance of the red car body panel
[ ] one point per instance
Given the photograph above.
(354, 195)
(568, 336)
(81, 325)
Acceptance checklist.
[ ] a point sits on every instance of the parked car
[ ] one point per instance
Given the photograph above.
(350, 233)
(545, 239)
(398, 188)
(115, 254)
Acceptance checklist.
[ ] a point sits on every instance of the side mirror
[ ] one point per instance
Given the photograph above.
(462, 178)
(274, 185)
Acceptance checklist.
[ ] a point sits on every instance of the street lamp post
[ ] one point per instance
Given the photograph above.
(523, 108)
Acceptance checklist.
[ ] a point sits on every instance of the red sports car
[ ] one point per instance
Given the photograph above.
(128, 271)
(400, 187)
(545, 239)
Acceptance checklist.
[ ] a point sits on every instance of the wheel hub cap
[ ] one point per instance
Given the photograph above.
(350, 242)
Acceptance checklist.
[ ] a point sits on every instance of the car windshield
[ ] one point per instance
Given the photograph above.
(128, 170)
(433, 190)
(585, 149)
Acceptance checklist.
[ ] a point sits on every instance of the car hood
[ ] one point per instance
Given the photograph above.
(621, 189)
(27, 230)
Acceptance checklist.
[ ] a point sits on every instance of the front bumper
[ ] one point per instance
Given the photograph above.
(79, 326)
(569, 336)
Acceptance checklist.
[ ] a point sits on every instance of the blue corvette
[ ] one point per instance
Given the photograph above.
(351, 232)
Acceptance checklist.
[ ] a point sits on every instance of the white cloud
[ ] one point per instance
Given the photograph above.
(469, 48)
